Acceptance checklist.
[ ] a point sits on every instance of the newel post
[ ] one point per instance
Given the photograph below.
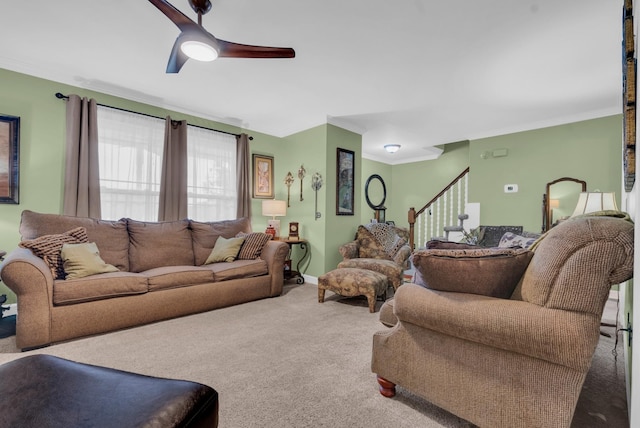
(412, 221)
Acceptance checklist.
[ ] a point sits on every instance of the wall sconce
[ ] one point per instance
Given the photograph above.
(392, 148)
(274, 208)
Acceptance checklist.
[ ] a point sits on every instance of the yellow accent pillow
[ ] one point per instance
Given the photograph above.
(80, 260)
(225, 250)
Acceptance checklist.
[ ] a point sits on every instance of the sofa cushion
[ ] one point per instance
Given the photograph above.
(48, 248)
(156, 244)
(253, 244)
(205, 234)
(489, 271)
(225, 250)
(238, 269)
(177, 276)
(111, 237)
(80, 260)
(98, 287)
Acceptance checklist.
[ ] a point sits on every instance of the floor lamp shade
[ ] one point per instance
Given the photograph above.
(589, 202)
(274, 208)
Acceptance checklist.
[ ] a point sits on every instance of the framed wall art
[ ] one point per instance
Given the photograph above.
(263, 177)
(9, 159)
(345, 172)
(629, 74)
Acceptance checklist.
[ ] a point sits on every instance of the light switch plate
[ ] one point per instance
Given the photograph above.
(510, 188)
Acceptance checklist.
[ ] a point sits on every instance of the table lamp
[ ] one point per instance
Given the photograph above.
(274, 208)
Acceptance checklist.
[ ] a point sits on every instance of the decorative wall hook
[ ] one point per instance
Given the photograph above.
(316, 184)
(301, 173)
(288, 180)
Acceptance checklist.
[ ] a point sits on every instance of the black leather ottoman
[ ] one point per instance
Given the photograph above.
(45, 391)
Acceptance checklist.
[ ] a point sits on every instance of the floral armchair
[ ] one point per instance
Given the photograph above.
(378, 247)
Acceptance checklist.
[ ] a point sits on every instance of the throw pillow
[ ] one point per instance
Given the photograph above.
(80, 260)
(490, 271)
(511, 240)
(253, 244)
(48, 248)
(225, 250)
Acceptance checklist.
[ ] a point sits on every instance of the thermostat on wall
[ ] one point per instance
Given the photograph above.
(510, 188)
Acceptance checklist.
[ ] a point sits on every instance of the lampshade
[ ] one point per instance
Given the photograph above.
(272, 207)
(392, 148)
(197, 45)
(554, 203)
(589, 202)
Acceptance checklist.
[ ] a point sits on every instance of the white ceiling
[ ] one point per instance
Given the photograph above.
(413, 72)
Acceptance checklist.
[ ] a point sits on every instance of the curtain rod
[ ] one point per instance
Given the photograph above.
(66, 97)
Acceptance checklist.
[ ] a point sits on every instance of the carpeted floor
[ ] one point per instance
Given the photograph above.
(293, 362)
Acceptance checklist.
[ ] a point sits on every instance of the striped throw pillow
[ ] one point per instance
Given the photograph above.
(48, 248)
(253, 244)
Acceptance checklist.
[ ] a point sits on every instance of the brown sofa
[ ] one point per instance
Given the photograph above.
(160, 276)
(509, 362)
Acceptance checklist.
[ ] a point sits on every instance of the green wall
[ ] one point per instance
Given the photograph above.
(588, 150)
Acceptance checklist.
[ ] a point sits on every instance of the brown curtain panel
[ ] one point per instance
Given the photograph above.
(173, 184)
(243, 176)
(82, 175)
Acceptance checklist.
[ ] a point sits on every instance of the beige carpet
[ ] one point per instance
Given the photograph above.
(292, 362)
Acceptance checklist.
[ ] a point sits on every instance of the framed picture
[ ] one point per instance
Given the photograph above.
(263, 177)
(9, 159)
(629, 71)
(345, 171)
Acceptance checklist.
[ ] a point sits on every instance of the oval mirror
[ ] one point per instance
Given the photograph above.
(375, 190)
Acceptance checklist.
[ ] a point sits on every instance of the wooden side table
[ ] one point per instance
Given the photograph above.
(289, 272)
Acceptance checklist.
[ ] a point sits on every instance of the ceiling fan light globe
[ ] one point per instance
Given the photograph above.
(199, 51)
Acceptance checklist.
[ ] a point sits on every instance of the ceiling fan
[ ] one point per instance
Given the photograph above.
(197, 43)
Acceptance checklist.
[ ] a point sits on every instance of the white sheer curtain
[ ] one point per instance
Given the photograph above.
(212, 190)
(130, 153)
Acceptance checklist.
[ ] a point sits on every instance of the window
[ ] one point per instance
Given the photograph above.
(211, 185)
(130, 150)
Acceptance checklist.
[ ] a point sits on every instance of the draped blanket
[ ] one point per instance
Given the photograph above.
(386, 236)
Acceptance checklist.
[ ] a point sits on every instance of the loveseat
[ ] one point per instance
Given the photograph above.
(160, 275)
(518, 360)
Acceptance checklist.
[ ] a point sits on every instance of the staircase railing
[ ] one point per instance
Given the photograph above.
(442, 210)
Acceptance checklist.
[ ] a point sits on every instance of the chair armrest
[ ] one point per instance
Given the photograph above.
(349, 250)
(402, 256)
(561, 337)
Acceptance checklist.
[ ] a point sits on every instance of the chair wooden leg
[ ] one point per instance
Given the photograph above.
(321, 295)
(387, 388)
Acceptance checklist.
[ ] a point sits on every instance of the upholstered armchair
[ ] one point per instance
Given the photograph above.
(518, 360)
(379, 247)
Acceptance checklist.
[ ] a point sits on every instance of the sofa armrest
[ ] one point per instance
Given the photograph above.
(558, 336)
(275, 253)
(349, 250)
(30, 279)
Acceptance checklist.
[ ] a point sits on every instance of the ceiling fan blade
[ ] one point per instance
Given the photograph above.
(177, 58)
(180, 19)
(237, 50)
